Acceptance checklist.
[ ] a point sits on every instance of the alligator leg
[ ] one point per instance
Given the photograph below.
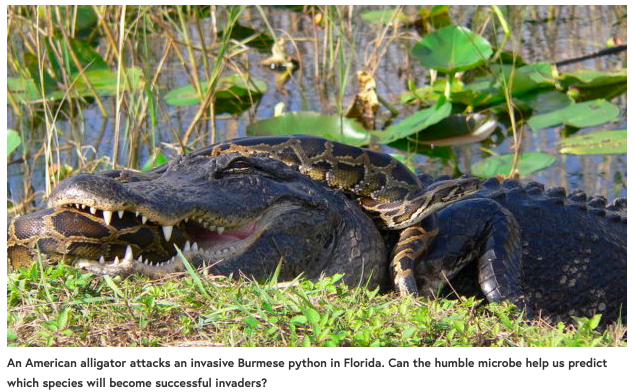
(414, 241)
(476, 230)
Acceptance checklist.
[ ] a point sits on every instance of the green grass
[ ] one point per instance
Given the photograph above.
(61, 306)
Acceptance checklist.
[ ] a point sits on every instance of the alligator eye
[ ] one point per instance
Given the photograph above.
(236, 166)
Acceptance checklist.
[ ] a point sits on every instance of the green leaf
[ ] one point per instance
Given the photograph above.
(580, 115)
(249, 36)
(23, 89)
(62, 319)
(313, 316)
(405, 160)
(298, 320)
(543, 102)
(86, 19)
(104, 82)
(251, 322)
(601, 142)
(13, 141)
(452, 49)
(43, 81)
(385, 16)
(233, 86)
(332, 127)
(591, 84)
(113, 286)
(529, 162)
(489, 90)
(155, 160)
(594, 321)
(87, 57)
(457, 129)
(438, 16)
(592, 78)
(414, 123)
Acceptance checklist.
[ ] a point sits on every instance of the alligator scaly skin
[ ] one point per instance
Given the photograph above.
(558, 255)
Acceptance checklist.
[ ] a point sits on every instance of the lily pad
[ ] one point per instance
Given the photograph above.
(601, 142)
(546, 101)
(456, 130)
(405, 159)
(23, 89)
(43, 81)
(228, 87)
(590, 84)
(452, 49)
(332, 127)
(13, 141)
(251, 37)
(579, 115)
(592, 78)
(437, 15)
(104, 82)
(529, 162)
(384, 16)
(408, 145)
(489, 90)
(414, 123)
(89, 59)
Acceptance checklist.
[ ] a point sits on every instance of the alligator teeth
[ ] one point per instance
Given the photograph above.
(167, 231)
(128, 254)
(102, 260)
(83, 206)
(194, 247)
(220, 229)
(93, 210)
(116, 260)
(120, 213)
(210, 227)
(143, 219)
(186, 220)
(136, 213)
(187, 247)
(107, 216)
(77, 205)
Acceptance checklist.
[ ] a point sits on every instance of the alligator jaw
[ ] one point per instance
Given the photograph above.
(206, 247)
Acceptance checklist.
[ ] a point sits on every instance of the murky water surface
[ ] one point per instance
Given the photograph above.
(570, 32)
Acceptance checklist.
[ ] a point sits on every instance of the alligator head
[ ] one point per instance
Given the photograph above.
(231, 214)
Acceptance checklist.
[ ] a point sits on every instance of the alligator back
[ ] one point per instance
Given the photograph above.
(573, 248)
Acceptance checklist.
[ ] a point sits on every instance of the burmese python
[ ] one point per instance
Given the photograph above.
(385, 188)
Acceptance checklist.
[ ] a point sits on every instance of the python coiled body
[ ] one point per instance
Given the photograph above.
(385, 187)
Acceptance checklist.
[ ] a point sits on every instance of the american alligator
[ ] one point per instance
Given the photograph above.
(234, 215)
(236, 208)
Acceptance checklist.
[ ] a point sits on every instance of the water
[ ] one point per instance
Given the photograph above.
(547, 34)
